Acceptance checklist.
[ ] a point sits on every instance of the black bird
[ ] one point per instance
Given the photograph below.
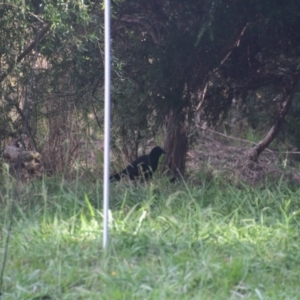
(142, 167)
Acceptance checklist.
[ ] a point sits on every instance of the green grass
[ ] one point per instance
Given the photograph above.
(167, 241)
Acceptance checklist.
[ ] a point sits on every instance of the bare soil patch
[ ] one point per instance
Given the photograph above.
(214, 155)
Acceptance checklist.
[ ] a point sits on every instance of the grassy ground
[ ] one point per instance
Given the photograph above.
(167, 241)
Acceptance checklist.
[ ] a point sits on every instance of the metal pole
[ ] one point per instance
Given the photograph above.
(106, 122)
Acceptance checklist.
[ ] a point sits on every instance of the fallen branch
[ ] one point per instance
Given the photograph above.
(235, 138)
(273, 132)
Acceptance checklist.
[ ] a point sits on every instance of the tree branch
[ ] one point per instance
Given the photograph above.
(273, 132)
(226, 51)
(31, 46)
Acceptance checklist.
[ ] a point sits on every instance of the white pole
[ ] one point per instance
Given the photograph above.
(106, 122)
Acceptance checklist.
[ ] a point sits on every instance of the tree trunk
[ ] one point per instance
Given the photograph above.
(176, 145)
(273, 132)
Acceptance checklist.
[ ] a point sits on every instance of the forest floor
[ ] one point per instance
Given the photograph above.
(217, 155)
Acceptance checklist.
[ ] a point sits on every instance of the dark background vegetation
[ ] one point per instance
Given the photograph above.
(177, 67)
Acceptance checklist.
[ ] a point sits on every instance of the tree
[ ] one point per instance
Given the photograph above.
(178, 46)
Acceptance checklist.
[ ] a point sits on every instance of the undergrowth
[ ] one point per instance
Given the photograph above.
(167, 241)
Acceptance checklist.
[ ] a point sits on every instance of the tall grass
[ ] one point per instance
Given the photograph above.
(167, 241)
